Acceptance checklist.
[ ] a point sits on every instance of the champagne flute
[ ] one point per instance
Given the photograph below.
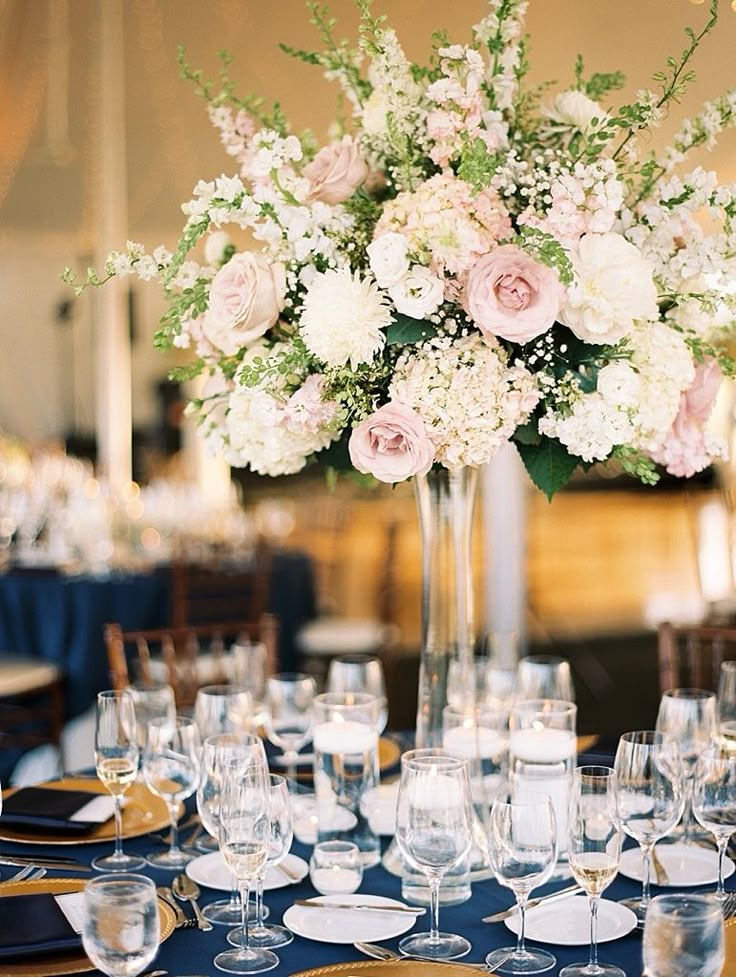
(683, 937)
(650, 796)
(727, 706)
(217, 752)
(594, 851)
(245, 831)
(434, 818)
(522, 841)
(116, 761)
(360, 673)
(289, 697)
(689, 717)
(171, 770)
(714, 802)
(121, 930)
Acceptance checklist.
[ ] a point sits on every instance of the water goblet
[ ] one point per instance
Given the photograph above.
(223, 709)
(650, 797)
(249, 668)
(544, 677)
(689, 717)
(522, 841)
(151, 700)
(683, 936)
(245, 837)
(288, 721)
(116, 762)
(434, 819)
(121, 930)
(714, 802)
(594, 850)
(360, 673)
(217, 752)
(727, 706)
(171, 770)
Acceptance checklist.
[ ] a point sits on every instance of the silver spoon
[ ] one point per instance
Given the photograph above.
(187, 890)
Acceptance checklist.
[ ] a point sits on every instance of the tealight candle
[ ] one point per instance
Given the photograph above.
(335, 867)
(344, 737)
(473, 741)
(541, 744)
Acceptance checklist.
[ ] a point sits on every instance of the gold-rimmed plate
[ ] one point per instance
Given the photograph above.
(68, 961)
(389, 754)
(143, 812)
(390, 968)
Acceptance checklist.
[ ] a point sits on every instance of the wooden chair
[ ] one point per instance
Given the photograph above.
(690, 657)
(31, 702)
(206, 593)
(186, 657)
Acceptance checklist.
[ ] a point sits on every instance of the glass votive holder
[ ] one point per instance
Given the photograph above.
(336, 868)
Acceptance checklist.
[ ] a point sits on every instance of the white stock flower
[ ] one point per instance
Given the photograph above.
(388, 258)
(419, 293)
(575, 110)
(215, 245)
(343, 319)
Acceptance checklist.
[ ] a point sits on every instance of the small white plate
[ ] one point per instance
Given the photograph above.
(684, 864)
(347, 925)
(211, 872)
(567, 922)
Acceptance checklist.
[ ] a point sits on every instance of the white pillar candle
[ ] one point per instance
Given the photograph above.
(473, 742)
(344, 737)
(542, 745)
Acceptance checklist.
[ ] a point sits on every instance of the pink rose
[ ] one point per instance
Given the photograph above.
(510, 295)
(246, 297)
(697, 401)
(336, 172)
(392, 444)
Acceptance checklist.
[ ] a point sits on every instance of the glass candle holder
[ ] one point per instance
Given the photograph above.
(480, 736)
(336, 867)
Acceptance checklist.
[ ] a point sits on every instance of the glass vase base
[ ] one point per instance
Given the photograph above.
(226, 913)
(446, 946)
(272, 936)
(118, 863)
(638, 909)
(172, 860)
(591, 970)
(509, 960)
(244, 961)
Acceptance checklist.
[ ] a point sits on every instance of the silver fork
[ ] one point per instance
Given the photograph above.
(728, 906)
(384, 953)
(28, 873)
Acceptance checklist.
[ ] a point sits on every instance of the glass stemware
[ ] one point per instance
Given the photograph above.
(689, 717)
(217, 752)
(714, 802)
(249, 669)
(245, 832)
(360, 673)
(727, 706)
(650, 796)
(151, 700)
(434, 820)
(223, 709)
(288, 721)
(171, 770)
(544, 677)
(683, 937)
(116, 761)
(522, 841)
(594, 850)
(121, 929)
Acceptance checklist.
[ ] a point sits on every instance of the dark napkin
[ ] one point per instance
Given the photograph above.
(44, 809)
(34, 924)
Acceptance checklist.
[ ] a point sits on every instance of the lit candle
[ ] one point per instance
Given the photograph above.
(541, 744)
(344, 737)
(473, 741)
(334, 879)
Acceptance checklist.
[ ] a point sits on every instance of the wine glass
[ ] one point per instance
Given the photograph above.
(223, 709)
(727, 706)
(650, 796)
(282, 834)
(151, 700)
(544, 677)
(245, 835)
(116, 761)
(689, 717)
(714, 801)
(360, 673)
(121, 931)
(683, 936)
(289, 697)
(434, 820)
(171, 770)
(217, 752)
(594, 851)
(249, 666)
(522, 841)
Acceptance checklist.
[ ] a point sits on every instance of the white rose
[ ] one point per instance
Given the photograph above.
(619, 385)
(419, 293)
(575, 109)
(387, 256)
(214, 247)
(613, 289)
(375, 111)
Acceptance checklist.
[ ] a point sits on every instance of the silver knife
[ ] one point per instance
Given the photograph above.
(413, 910)
(552, 897)
(66, 866)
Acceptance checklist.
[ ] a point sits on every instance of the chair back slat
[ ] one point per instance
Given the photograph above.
(690, 657)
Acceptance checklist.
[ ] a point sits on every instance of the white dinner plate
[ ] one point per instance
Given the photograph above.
(211, 872)
(347, 925)
(684, 864)
(567, 922)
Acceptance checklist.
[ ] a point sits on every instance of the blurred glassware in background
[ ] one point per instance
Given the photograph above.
(247, 667)
(684, 937)
(288, 719)
(121, 928)
(151, 700)
(544, 677)
(714, 801)
(223, 709)
(360, 673)
(727, 707)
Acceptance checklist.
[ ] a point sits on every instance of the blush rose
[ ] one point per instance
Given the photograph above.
(392, 444)
(336, 172)
(246, 298)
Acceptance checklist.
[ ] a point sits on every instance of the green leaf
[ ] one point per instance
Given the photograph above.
(548, 464)
(405, 330)
(527, 433)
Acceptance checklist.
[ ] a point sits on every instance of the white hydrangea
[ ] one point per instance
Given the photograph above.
(470, 400)
(590, 429)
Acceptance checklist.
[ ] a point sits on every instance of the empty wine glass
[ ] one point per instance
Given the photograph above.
(434, 820)
(650, 796)
(121, 931)
(360, 673)
(217, 752)
(222, 709)
(727, 706)
(116, 762)
(689, 717)
(151, 700)
(714, 802)
(171, 770)
(249, 666)
(544, 677)
(594, 851)
(245, 835)
(522, 841)
(683, 937)
(289, 698)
